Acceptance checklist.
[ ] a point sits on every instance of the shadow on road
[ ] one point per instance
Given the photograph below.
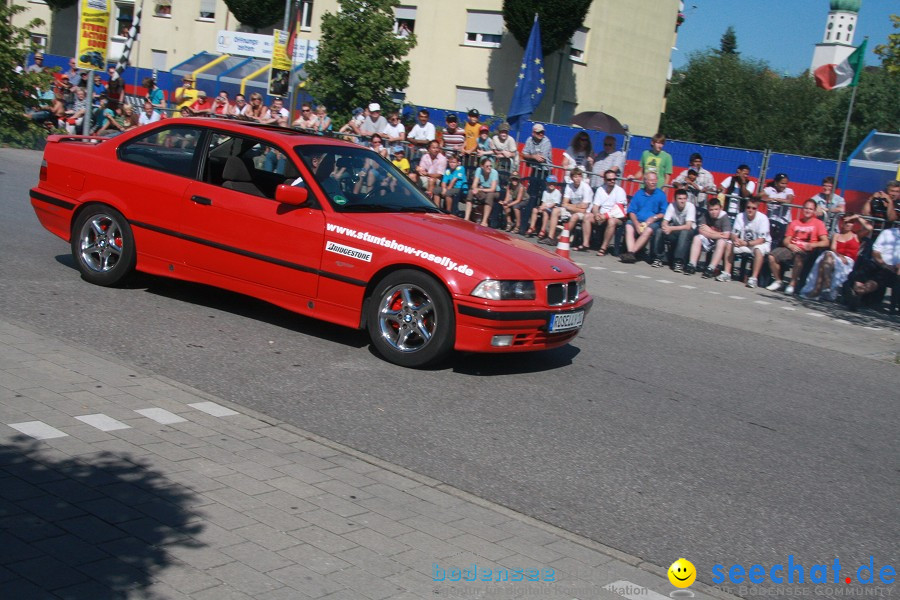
(95, 526)
(485, 365)
(865, 317)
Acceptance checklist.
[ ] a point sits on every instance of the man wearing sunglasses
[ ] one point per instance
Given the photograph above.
(606, 159)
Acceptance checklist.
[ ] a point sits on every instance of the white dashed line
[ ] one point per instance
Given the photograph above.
(762, 302)
(103, 422)
(642, 276)
(737, 297)
(38, 430)
(664, 281)
(211, 408)
(599, 268)
(633, 591)
(843, 321)
(688, 287)
(713, 293)
(815, 314)
(160, 415)
(871, 328)
(788, 308)
(621, 272)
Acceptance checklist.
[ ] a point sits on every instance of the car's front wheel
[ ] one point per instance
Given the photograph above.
(103, 245)
(411, 321)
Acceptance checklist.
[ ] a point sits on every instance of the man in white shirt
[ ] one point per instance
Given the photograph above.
(577, 201)
(606, 159)
(609, 207)
(506, 149)
(678, 229)
(148, 115)
(881, 273)
(421, 134)
(374, 123)
(277, 114)
(394, 131)
(699, 184)
(750, 235)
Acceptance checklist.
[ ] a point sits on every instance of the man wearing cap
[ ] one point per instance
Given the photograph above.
(399, 158)
(38, 66)
(374, 123)
(505, 147)
(186, 94)
(472, 129)
(201, 107)
(539, 153)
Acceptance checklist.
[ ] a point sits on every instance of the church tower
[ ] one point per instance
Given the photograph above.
(837, 41)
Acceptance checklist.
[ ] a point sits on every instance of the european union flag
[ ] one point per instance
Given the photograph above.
(530, 84)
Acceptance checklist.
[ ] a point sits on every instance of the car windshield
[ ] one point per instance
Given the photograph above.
(356, 179)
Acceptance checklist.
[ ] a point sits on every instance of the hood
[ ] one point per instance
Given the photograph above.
(494, 254)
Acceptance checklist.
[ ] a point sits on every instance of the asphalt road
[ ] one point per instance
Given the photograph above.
(717, 423)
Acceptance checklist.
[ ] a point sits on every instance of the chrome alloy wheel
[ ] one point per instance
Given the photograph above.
(100, 243)
(407, 318)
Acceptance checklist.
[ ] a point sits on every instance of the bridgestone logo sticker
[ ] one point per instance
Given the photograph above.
(349, 252)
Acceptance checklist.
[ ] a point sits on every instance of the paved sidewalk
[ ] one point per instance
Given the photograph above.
(119, 484)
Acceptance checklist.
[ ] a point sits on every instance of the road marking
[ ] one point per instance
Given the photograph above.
(815, 314)
(599, 268)
(633, 591)
(737, 297)
(762, 302)
(788, 308)
(843, 321)
(871, 328)
(580, 264)
(714, 293)
(38, 430)
(642, 276)
(688, 287)
(621, 272)
(664, 281)
(211, 408)
(160, 415)
(103, 422)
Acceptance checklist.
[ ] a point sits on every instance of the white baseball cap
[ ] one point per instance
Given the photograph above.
(374, 107)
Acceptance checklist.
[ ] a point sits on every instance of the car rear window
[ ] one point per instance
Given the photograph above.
(170, 149)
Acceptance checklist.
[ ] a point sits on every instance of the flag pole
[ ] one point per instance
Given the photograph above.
(837, 171)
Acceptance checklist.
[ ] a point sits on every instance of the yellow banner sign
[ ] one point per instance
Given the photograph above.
(279, 73)
(93, 34)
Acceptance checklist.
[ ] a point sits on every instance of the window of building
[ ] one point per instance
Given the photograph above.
(404, 20)
(158, 60)
(163, 8)
(468, 98)
(208, 10)
(484, 28)
(578, 44)
(837, 36)
(306, 12)
(124, 17)
(40, 40)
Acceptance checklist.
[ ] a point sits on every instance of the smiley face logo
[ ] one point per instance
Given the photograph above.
(682, 573)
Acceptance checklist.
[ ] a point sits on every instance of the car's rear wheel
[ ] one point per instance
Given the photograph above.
(103, 245)
(411, 321)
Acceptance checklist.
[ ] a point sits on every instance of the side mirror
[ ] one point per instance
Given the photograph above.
(292, 194)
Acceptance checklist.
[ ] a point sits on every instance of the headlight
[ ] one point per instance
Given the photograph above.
(581, 282)
(492, 289)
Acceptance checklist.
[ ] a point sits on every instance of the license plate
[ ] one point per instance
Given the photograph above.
(566, 321)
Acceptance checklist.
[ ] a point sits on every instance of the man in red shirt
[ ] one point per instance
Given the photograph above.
(802, 238)
(202, 106)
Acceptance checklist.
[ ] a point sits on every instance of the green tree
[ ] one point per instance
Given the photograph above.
(728, 42)
(360, 58)
(257, 14)
(890, 52)
(559, 20)
(17, 90)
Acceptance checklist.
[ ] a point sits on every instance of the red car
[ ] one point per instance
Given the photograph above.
(318, 226)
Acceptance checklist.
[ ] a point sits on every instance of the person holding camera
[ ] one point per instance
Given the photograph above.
(884, 205)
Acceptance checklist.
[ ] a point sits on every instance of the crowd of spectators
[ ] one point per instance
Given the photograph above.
(482, 175)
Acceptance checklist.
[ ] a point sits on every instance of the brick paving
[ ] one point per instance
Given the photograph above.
(115, 483)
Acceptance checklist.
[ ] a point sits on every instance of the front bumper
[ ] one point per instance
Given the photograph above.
(477, 324)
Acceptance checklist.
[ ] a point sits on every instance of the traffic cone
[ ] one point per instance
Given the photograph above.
(562, 248)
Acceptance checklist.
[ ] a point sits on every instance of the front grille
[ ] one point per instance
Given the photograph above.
(562, 293)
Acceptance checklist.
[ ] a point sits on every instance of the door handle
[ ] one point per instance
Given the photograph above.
(201, 200)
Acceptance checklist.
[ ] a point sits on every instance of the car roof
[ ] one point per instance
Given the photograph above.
(286, 135)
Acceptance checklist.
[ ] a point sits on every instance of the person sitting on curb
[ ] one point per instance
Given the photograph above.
(609, 207)
(576, 205)
(550, 199)
(801, 239)
(713, 231)
(645, 213)
(677, 228)
(750, 235)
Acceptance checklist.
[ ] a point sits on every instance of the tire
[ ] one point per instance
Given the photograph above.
(410, 319)
(103, 246)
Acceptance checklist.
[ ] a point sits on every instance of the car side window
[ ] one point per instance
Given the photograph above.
(247, 165)
(170, 149)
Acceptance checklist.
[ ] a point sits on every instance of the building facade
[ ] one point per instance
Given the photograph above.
(837, 39)
(617, 62)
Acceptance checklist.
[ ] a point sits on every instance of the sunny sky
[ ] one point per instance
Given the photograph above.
(780, 32)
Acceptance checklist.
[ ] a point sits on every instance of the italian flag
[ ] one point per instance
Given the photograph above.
(845, 74)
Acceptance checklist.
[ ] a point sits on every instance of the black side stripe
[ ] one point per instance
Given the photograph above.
(52, 200)
(249, 254)
(531, 315)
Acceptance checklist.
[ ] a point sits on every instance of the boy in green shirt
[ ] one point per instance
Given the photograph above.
(656, 160)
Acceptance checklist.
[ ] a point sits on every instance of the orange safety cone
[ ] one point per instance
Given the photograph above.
(562, 248)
